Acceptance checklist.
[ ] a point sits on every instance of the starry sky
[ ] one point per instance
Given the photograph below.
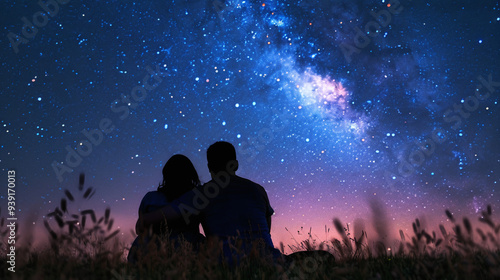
(330, 104)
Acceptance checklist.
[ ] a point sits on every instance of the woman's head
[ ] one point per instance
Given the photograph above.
(179, 176)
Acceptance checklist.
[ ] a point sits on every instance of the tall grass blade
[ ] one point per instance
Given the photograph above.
(51, 232)
(106, 215)
(87, 192)
(110, 224)
(64, 205)
(81, 181)
(450, 216)
(69, 195)
(467, 226)
(112, 235)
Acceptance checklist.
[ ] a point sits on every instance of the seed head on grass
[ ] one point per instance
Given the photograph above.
(467, 226)
(449, 215)
(64, 205)
(81, 182)
(69, 195)
(74, 237)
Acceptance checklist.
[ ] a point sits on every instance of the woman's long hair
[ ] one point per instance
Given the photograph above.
(179, 177)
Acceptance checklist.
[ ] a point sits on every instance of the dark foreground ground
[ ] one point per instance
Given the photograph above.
(426, 262)
(479, 266)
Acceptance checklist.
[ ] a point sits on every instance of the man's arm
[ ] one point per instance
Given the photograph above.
(166, 213)
(269, 209)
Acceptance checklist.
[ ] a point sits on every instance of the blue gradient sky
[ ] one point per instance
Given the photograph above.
(327, 107)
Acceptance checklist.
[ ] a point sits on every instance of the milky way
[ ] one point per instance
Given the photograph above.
(329, 104)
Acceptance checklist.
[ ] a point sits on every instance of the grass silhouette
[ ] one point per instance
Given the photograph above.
(84, 245)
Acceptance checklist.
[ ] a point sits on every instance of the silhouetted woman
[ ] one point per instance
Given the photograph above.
(179, 177)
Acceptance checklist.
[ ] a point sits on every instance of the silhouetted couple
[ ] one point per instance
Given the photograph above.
(232, 210)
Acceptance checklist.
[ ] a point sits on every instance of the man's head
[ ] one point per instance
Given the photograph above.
(219, 155)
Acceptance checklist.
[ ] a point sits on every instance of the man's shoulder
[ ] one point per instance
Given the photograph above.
(248, 182)
(237, 180)
(245, 181)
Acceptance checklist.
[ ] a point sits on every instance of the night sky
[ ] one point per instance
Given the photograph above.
(327, 107)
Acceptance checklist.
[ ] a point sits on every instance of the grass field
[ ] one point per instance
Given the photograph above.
(84, 246)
